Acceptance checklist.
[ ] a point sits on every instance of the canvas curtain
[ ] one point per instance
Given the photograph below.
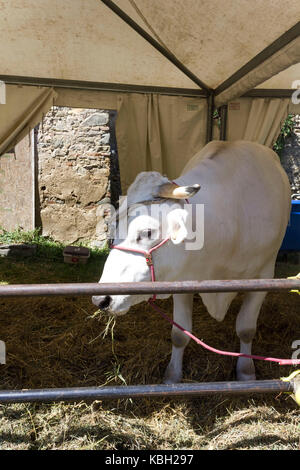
(154, 132)
(92, 99)
(23, 110)
(256, 119)
(158, 133)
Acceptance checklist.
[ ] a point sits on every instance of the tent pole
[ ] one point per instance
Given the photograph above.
(270, 93)
(210, 113)
(223, 118)
(100, 86)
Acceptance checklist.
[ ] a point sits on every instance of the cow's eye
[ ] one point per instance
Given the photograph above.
(145, 234)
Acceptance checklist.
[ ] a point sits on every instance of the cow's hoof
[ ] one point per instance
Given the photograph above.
(172, 377)
(243, 374)
(170, 381)
(245, 370)
(242, 377)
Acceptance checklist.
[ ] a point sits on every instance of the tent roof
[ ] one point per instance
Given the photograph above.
(284, 80)
(210, 40)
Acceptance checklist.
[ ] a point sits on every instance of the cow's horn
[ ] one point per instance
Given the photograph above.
(169, 190)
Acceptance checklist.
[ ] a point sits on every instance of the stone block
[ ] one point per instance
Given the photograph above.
(97, 119)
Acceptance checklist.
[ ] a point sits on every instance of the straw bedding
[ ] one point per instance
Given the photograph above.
(61, 342)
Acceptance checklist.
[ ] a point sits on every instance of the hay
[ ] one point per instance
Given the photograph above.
(59, 342)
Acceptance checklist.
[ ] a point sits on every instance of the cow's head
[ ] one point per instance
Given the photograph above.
(152, 212)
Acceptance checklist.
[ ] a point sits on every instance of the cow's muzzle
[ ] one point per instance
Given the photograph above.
(103, 301)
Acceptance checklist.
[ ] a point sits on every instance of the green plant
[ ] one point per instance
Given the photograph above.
(217, 117)
(286, 131)
(46, 246)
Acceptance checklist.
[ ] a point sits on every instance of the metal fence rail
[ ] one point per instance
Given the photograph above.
(140, 391)
(177, 287)
(196, 389)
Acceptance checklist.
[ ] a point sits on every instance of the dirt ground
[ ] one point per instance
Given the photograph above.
(58, 342)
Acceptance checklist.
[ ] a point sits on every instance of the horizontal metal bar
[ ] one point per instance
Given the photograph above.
(270, 93)
(99, 86)
(140, 391)
(29, 290)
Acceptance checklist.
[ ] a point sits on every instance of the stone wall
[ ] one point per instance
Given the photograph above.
(74, 160)
(16, 187)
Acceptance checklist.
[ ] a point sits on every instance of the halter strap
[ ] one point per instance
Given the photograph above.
(148, 257)
(147, 254)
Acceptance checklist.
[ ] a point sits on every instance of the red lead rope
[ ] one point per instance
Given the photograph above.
(282, 362)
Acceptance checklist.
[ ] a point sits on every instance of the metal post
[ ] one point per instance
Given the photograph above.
(210, 113)
(223, 117)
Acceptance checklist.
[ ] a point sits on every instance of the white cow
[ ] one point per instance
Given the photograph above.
(246, 197)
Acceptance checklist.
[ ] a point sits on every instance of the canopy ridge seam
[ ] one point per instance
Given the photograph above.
(144, 19)
(166, 53)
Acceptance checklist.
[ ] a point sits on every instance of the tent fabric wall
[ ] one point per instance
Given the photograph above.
(86, 98)
(154, 132)
(26, 105)
(24, 109)
(256, 119)
(158, 133)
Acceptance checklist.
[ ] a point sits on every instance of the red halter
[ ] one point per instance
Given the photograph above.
(148, 256)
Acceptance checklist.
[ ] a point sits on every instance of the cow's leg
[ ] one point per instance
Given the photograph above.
(246, 328)
(182, 314)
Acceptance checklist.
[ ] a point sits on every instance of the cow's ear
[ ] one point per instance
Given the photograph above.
(177, 225)
(172, 191)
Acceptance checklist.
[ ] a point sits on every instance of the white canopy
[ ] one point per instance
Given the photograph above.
(97, 52)
(85, 40)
